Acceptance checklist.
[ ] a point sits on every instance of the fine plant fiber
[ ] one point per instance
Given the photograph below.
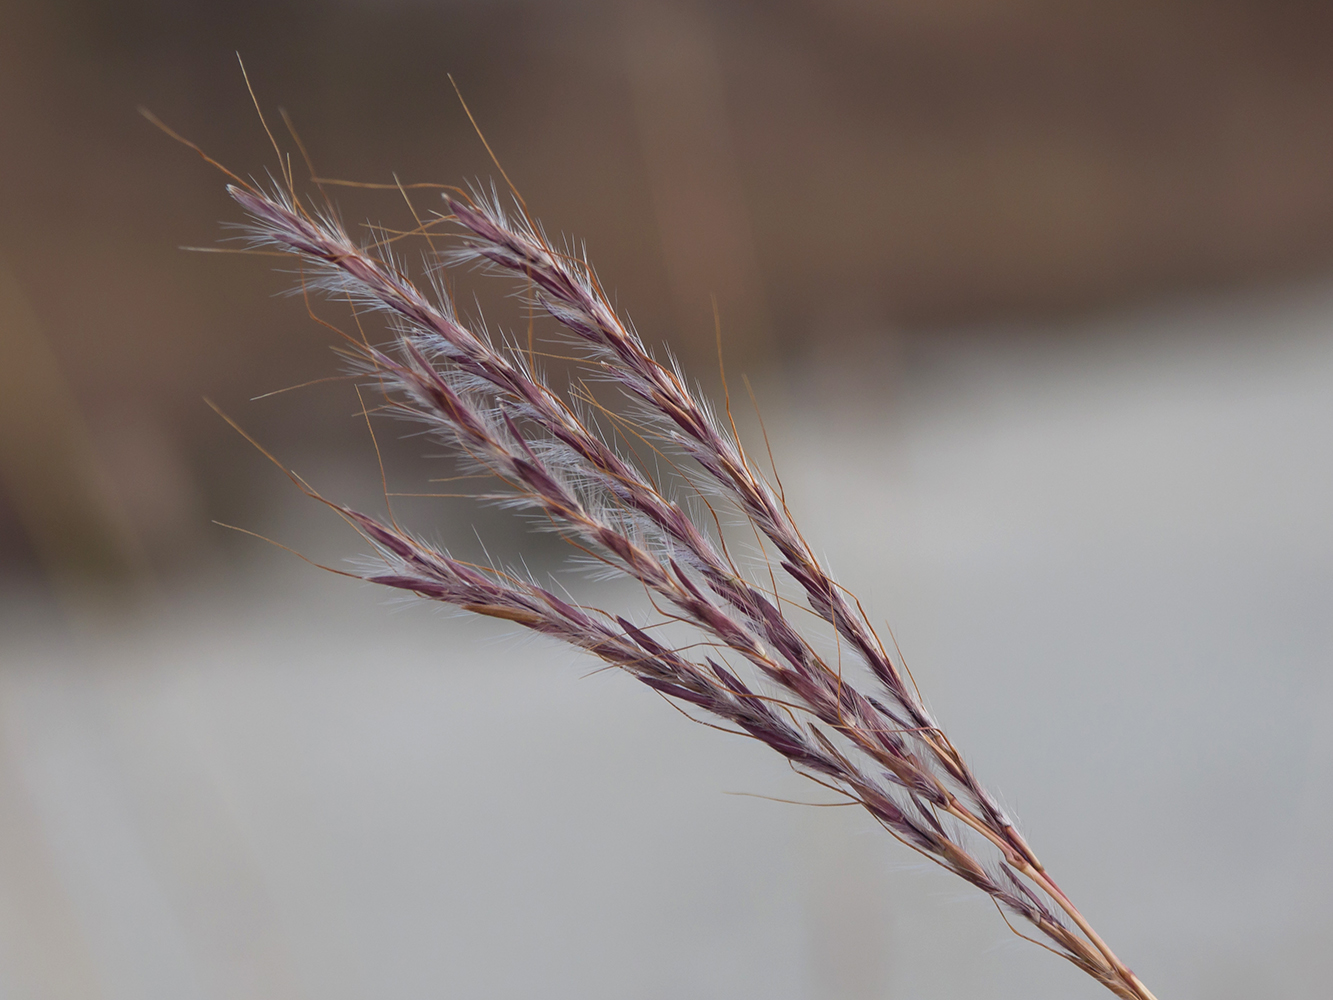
(767, 644)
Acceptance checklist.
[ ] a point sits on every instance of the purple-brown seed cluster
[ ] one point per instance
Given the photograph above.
(880, 748)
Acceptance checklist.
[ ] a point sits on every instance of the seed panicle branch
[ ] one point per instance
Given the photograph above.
(869, 736)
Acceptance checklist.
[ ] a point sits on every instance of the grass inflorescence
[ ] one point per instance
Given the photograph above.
(734, 639)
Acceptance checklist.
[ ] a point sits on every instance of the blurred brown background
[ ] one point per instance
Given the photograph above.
(1038, 302)
(833, 172)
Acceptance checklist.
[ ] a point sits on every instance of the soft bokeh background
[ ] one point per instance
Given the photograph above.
(1037, 300)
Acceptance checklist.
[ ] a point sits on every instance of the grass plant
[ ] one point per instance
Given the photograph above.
(740, 643)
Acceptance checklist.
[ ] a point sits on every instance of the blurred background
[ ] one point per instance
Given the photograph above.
(1037, 301)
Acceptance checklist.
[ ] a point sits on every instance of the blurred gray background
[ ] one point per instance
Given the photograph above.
(1037, 301)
